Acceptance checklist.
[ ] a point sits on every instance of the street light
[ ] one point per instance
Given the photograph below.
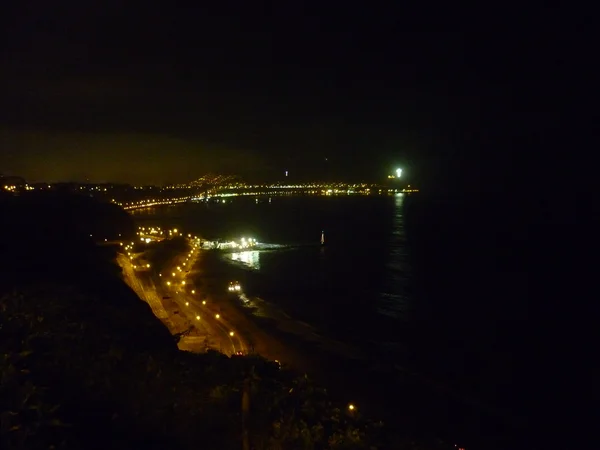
(351, 407)
(398, 173)
(197, 317)
(231, 333)
(217, 316)
(187, 303)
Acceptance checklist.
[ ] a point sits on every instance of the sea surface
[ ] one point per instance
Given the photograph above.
(355, 289)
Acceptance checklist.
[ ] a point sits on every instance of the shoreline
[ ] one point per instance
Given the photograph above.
(397, 396)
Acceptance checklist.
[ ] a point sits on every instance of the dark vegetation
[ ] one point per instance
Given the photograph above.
(85, 364)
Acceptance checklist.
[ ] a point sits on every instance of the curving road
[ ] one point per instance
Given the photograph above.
(179, 309)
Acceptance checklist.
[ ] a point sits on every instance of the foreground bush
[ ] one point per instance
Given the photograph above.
(79, 371)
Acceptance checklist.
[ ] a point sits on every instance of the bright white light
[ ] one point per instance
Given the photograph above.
(398, 173)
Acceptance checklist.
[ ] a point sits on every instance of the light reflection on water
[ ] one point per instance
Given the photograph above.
(250, 258)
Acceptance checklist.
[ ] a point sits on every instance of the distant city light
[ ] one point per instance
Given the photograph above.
(398, 173)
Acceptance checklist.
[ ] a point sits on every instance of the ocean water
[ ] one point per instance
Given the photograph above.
(354, 290)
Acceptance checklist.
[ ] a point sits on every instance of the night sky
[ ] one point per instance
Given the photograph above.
(151, 93)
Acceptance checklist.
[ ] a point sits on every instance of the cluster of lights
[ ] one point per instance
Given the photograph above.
(234, 286)
(245, 243)
(147, 235)
(156, 233)
(152, 202)
(14, 188)
(408, 189)
(179, 269)
(222, 187)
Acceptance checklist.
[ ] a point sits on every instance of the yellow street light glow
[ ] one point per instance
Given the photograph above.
(178, 268)
(148, 265)
(351, 407)
(187, 303)
(193, 291)
(204, 302)
(174, 230)
(160, 274)
(197, 317)
(217, 316)
(231, 333)
(168, 283)
(173, 274)
(183, 283)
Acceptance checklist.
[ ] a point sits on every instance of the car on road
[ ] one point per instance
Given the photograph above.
(234, 286)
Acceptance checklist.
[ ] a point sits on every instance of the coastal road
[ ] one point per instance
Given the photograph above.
(199, 312)
(172, 301)
(146, 293)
